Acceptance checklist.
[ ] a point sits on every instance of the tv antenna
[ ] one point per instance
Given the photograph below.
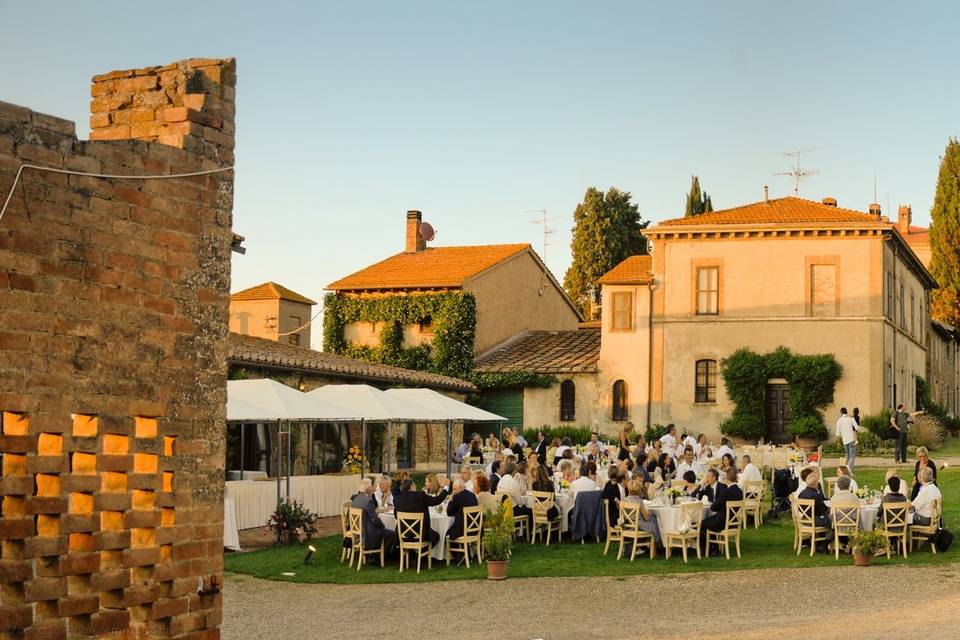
(796, 172)
(548, 231)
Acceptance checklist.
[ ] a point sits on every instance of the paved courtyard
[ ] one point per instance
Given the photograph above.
(838, 603)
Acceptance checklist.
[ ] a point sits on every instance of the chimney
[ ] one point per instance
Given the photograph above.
(904, 214)
(830, 202)
(415, 241)
(766, 194)
(875, 211)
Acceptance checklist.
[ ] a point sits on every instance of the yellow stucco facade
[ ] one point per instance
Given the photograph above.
(270, 318)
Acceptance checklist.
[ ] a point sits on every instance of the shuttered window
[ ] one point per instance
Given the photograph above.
(708, 291)
(620, 401)
(705, 381)
(568, 401)
(622, 311)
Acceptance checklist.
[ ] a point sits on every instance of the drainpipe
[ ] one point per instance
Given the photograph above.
(652, 286)
(896, 305)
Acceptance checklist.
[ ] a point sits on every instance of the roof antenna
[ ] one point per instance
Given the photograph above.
(875, 187)
(796, 172)
(547, 232)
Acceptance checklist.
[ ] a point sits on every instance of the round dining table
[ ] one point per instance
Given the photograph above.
(439, 522)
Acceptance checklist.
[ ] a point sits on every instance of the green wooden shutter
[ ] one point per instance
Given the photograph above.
(503, 402)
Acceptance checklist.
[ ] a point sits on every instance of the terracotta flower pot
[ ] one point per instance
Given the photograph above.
(497, 569)
(860, 559)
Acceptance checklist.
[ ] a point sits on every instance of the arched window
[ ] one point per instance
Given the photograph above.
(705, 381)
(568, 401)
(620, 400)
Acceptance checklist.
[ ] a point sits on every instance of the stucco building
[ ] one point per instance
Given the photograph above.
(274, 312)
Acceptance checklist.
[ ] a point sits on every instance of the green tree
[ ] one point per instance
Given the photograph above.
(606, 230)
(697, 202)
(945, 237)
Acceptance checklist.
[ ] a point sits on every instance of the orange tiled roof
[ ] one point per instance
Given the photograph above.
(260, 352)
(432, 268)
(574, 351)
(917, 235)
(270, 291)
(633, 270)
(778, 210)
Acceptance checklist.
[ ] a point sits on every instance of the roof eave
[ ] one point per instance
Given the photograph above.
(763, 226)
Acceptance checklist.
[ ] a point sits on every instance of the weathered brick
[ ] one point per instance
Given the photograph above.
(111, 580)
(79, 605)
(15, 571)
(15, 617)
(80, 563)
(44, 589)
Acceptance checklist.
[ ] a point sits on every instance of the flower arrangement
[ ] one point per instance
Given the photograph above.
(291, 520)
(353, 461)
(564, 484)
(864, 491)
(794, 458)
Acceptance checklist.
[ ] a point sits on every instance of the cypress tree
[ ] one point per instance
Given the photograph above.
(697, 202)
(945, 237)
(606, 230)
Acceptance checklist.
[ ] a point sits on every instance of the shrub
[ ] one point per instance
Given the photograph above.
(655, 432)
(868, 542)
(743, 425)
(577, 435)
(808, 427)
(498, 535)
(294, 519)
(926, 431)
(879, 425)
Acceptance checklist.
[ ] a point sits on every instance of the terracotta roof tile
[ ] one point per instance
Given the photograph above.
(917, 235)
(778, 210)
(545, 352)
(260, 352)
(432, 268)
(633, 270)
(270, 291)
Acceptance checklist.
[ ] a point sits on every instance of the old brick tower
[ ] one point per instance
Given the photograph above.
(114, 299)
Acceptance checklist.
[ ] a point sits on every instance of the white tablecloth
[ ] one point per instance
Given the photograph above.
(255, 500)
(439, 522)
(564, 503)
(231, 537)
(669, 516)
(234, 474)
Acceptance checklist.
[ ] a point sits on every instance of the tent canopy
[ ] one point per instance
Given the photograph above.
(375, 405)
(445, 405)
(266, 399)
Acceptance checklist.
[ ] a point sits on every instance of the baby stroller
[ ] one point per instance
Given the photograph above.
(783, 485)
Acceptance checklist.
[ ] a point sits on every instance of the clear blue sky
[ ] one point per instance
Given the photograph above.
(350, 113)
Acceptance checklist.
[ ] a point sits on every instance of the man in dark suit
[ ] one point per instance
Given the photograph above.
(461, 499)
(717, 520)
(412, 501)
(711, 487)
(821, 511)
(541, 448)
(494, 475)
(373, 530)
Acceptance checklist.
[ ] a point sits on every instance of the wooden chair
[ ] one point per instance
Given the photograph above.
(347, 550)
(357, 548)
(542, 502)
(731, 530)
(754, 493)
(920, 532)
(475, 460)
(693, 513)
(807, 525)
(895, 525)
(630, 530)
(410, 534)
(472, 530)
(846, 522)
(613, 531)
(521, 524)
(830, 487)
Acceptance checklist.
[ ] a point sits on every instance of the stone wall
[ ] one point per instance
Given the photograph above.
(113, 326)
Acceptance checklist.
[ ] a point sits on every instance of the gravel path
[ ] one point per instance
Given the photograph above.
(831, 603)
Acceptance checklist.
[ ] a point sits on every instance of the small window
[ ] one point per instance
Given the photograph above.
(620, 401)
(705, 381)
(890, 295)
(903, 310)
(913, 314)
(708, 291)
(823, 290)
(568, 401)
(622, 311)
(294, 339)
(426, 325)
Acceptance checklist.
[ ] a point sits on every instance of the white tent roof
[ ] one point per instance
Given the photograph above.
(452, 409)
(375, 405)
(267, 399)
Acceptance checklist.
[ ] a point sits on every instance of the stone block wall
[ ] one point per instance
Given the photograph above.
(114, 299)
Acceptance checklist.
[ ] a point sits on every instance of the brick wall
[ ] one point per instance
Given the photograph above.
(113, 324)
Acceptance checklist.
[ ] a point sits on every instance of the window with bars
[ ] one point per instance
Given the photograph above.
(705, 381)
(568, 401)
(708, 291)
(620, 400)
(622, 311)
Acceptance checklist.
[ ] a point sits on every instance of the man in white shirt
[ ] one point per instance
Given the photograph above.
(587, 480)
(669, 440)
(687, 463)
(750, 471)
(691, 442)
(508, 484)
(595, 442)
(726, 448)
(847, 431)
(923, 503)
(383, 495)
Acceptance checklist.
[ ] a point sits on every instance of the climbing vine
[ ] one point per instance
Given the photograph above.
(812, 379)
(512, 379)
(452, 315)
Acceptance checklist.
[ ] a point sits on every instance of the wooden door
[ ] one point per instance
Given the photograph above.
(778, 412)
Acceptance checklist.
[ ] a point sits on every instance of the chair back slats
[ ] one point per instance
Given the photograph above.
(629, 517)
(409, 526)
(693, 513)
(805, 510)
(542, 502)
(846, 519)
(734, 514)
(472, 521)
(895, 516)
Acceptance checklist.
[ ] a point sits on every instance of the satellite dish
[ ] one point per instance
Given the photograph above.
(427, 231)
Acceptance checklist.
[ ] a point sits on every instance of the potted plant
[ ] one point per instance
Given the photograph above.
(809, 430)
(865, 545)
(498, 543)
(292, 521)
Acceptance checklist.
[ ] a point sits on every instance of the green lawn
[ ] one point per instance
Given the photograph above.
(767, 547)
(950, 448)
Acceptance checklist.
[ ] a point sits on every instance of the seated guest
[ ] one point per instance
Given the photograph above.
(640, 449)
(923, 460)
(466, 474)
(687, 463)
(611, 493)
(725, 448)
(552, 453)
(398, 478)
(431, 486)
(902, 486)
(657, 448)
(810, 480)
(476, 452)
(892, 494)
(587, 480)
(717, 520)
(926, 495)
(625, 467)
(727, 462)
(712, 487)
(540, 481)
(690, 487)
(668, 469)
(650, 463)
(521, 477)
(541, 447)
(701, 449)
(562, 449)
(487, 501)
(382, 495)
(494, 476)
(461, 499)
(842, 471)
(509, 486)
(373, 530)
(472, 484)
(463, 450)
(750, 471)
(844, 496)
(412, 501)
(492, 442)
(596, 443)
(648, 522)
(535, 460)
